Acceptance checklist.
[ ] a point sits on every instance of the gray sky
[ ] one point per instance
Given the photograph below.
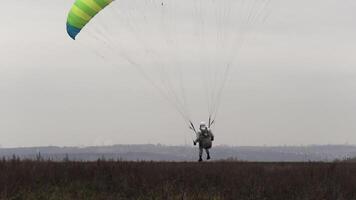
(296, 83)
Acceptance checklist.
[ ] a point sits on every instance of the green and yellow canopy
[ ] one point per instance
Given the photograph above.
(81, 13)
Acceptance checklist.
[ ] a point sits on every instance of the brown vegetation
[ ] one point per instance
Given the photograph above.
(169, 180)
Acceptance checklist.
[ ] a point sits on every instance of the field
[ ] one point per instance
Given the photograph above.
(170, 180)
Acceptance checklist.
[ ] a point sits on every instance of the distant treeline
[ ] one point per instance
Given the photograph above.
(184, 153)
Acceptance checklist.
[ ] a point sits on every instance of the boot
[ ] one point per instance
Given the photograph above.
(208, 157)
(200, 159)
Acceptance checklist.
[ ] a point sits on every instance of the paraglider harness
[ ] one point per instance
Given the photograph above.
(206, 131)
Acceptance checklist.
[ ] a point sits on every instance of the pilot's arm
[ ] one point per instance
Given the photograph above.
(211, 135)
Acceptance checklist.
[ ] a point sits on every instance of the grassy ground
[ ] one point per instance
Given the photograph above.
(167, 180)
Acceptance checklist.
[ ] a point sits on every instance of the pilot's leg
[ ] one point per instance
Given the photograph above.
(200, 154)
(207, 154)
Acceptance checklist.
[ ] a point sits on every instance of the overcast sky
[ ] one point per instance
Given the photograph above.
(296, 83)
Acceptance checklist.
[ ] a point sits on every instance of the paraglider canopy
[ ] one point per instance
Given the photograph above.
(81, 13)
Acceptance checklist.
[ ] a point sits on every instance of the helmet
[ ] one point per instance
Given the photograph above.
(202, 125)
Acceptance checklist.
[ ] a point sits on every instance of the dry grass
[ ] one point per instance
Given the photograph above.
(169, 180)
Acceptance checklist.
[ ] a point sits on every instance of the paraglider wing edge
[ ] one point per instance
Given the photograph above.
(81, 13)
(72, 31)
